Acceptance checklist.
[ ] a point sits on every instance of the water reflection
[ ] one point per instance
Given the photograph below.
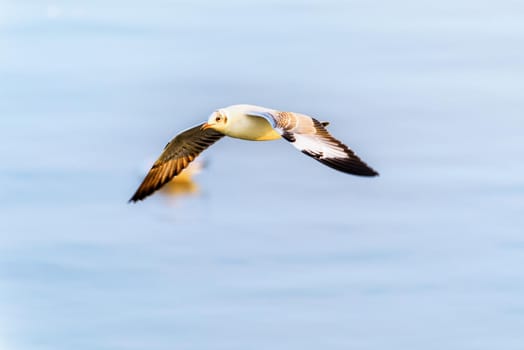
(184, 183)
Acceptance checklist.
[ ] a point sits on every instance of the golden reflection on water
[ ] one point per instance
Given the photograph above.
(183, 184)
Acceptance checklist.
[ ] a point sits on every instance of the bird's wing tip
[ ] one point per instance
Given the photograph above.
(136, 198)
(369, 171)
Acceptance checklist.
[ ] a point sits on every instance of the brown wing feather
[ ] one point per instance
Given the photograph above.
(177, 155)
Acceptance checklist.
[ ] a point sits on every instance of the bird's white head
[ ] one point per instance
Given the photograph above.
(217, 121)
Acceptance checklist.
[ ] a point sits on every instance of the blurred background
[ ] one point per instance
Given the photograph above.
(270, 250)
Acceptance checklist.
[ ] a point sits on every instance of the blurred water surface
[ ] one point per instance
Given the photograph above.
(275, 251)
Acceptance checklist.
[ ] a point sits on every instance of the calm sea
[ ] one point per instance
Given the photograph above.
(268, 249)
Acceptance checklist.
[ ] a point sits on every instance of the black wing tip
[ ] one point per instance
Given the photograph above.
(353, 166)
(364, 172)
(371, 173)
(133, 200)
(137, 197)
(368, 171)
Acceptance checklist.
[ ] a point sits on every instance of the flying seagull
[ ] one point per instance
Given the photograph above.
(252, 123)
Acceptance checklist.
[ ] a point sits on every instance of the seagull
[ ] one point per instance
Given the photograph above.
(254, 123)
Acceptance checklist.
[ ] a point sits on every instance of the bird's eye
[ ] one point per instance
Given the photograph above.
(217, 119)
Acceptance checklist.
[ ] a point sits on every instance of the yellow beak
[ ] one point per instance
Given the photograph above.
(206, 126)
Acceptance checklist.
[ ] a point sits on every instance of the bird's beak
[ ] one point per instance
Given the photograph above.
(206, 126)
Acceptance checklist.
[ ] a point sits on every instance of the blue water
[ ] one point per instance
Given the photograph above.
(274, 251)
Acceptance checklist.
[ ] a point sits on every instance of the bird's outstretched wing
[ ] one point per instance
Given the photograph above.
(311, 138)
(177, 154)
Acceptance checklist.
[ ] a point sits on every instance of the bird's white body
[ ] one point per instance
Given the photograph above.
(240, 124)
